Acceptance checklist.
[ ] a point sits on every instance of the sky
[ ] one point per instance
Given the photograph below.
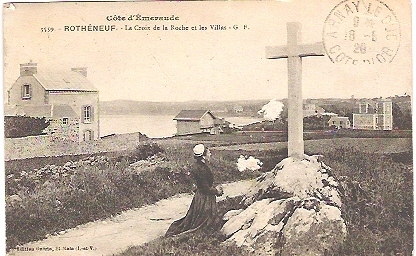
(177, 65)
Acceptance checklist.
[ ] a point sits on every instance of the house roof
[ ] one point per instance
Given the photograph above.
(60, 111)
(328, 114)
(37, 110)
(13, 110)
(49, 111)
(66, 81)
(192, 115)
(373, 101)
(338, 118)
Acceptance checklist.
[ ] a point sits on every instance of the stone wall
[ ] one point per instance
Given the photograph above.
(61, 131)
(38, 146)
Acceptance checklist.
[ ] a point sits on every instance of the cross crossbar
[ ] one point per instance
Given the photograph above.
(304, 50)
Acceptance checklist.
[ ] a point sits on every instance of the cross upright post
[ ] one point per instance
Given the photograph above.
(294, 51)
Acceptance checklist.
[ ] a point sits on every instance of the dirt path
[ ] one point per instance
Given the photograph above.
(114, 235)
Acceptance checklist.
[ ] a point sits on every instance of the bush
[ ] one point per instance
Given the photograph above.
(26, 174)
(142, 151)
(22, 126)
(378, 201)
(315, 122)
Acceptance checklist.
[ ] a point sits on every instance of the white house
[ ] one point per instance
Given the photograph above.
(374, 115)
(340, 122)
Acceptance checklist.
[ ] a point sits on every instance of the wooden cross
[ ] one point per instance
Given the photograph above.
(294, 51)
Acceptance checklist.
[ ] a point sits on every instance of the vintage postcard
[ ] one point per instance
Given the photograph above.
(208, 128)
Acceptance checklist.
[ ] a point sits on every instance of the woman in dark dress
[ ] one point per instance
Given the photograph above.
(203, 212)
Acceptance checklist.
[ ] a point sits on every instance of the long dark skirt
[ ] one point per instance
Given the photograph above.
(202, 214)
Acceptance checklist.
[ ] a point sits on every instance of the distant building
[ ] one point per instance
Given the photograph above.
(67, 99)
(238, 109)
(196, 121)
(311, 109)
(373, 115)
(222, 124)
(340, 122)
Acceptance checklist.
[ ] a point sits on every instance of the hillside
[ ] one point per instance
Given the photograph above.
(246, 108)
(224, 108)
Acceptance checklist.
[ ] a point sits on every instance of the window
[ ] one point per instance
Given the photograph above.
(87, 114)
(88, 135)
(388, 108)
(363, 108)
(26, 91)
(65, 120)
(341, 122)
(379, 107)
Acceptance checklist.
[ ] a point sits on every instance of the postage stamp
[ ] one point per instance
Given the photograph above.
(357, 32)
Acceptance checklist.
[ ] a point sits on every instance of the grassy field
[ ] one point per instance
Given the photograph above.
(244, 137)
(46, 200)
(371, 145)
(91, 192)
(377, 195)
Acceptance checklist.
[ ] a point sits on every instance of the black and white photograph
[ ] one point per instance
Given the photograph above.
(208, 128)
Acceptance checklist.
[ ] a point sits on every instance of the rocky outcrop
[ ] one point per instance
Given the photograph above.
(292, 210)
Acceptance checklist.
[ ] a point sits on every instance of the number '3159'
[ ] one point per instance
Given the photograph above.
(46, 29)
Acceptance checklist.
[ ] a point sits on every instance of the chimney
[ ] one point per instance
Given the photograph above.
(82, 71)
(28, 69)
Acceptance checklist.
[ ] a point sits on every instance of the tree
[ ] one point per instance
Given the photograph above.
(315, 122)
(402, 120)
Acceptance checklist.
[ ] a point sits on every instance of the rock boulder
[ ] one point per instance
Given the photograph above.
(292, 210)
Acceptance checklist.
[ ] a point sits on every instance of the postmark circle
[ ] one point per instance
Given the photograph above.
(358, 31)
